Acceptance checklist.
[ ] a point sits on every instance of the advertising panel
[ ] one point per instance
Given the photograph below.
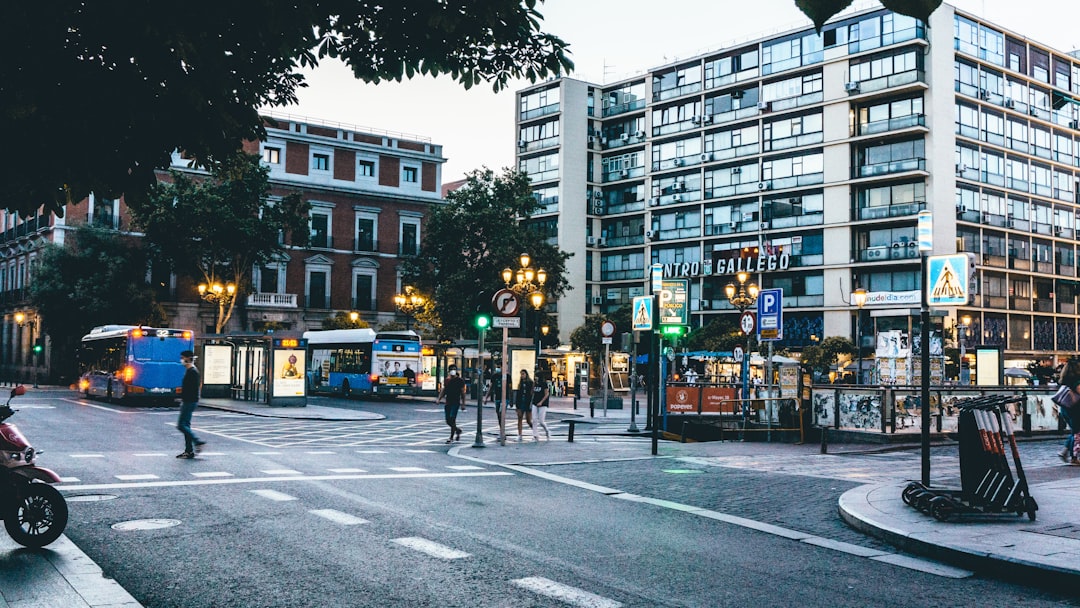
(288, 373)
(217, 364)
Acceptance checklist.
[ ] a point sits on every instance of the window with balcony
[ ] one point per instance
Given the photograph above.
(966, 77)
(780, 55)
(538, 103)
(880, 244)
(269, 279)
(622, 266)
(978, 40)
(791, 132)
(1041, 180)
(993, 127)
(991, 168)
(676, 255)
(681, 117)
(1064, 185)
(547, 199)
(624, 231)
(539, 135)
(882, 29)
(731, 181)
(627, 98)
(320, 230)
(540, 168)
(892, 281)
(732, 143)
(967, 120)
(792, 92)
(1016, 173)
(992, 86)
(623, 166)
(1063, 148)
(677, 82)
(736, 105)
(801, 289)
(677, 225)
(678, 153)
(886, 70)
(1016, 135)
(676, 189)
(366, 229)
(624, 198)
(623, 132)
(892, 200)
(799, 170)
(1040, 139)
(892, 157)
(738, 66)
(106, 213)
(790, 210)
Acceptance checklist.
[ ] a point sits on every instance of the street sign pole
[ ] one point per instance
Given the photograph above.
(925, 232)
(504, 369)
(478, 442)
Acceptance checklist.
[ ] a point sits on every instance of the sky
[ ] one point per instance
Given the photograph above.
(609, 40)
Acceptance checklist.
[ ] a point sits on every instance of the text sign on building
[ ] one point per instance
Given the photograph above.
(642, 313)
(770, 314)
(947, 280)
(674, 309)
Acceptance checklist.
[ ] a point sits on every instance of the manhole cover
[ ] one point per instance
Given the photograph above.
(89, 497)
(145, 524)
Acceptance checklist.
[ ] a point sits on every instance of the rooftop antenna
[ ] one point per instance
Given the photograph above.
(608, 69)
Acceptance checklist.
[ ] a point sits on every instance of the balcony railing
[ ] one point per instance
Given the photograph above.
(272, 300)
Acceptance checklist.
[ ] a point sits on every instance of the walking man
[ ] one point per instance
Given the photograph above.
(189, 398)
(453, 390)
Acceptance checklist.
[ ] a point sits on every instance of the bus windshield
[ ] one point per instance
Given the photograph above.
(151, 348)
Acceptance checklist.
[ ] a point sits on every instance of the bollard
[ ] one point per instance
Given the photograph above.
(570, 435)
(592, 407)
(824, 440)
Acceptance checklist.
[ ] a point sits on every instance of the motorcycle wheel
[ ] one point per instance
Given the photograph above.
(37, 516)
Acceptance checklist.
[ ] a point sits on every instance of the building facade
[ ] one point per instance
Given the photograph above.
(369, 191)
(812, 155)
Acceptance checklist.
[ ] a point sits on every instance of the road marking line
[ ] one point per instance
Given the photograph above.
(69, 480)
(432, 548)
(843, 547)
(266, 453)
(347, 470)
(136, 477)
(338, 517)
(239, 480)
(408, 469)
(320, 453)
(465, 467)
(208, 474)
(282, 472)
(419, 451)
(370, 451)
(87, 455)
(565, 593)
(274, 495)
(923, 565)
(151, 454)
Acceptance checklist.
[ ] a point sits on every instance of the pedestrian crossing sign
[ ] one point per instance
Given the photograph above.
(643, 313)
(947, 280)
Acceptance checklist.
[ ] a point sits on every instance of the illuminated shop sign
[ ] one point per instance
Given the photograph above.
(729, 266)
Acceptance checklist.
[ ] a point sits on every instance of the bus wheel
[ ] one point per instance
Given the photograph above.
(345, 390)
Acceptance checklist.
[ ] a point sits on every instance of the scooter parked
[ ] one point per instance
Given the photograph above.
(35, 513)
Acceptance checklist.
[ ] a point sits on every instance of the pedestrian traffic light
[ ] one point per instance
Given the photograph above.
(482, 321)
(38, 347)
(672, 331)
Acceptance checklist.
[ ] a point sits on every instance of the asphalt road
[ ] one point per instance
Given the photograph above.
(314, 513)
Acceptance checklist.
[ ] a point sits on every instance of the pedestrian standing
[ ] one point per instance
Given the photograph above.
(1069, 376)
(540, 397)
(189, 398)
(524, 401)
(453, 390)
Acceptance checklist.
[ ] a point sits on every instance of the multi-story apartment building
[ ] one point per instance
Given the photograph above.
(815, 153)
(369, 191)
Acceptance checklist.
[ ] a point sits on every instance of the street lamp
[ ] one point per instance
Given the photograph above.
(858, 296)
(216, 293)
(408, 302)
(743, 297)
(526, 281)
(962, 329)
(36, 349)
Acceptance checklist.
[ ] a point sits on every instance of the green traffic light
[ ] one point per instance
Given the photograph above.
(37, 348)
(482, 321)
(672, 330)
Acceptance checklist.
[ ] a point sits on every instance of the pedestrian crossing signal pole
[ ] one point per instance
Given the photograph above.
(925, 232)
(483, 321)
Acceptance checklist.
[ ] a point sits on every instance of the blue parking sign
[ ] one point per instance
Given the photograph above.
(770, 309)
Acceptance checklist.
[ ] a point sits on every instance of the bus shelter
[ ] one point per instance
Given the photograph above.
(263, 368)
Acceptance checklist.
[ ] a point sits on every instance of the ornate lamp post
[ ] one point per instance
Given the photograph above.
(526, 281)
(858, 297)
(408, 302)
(743, 297)
(219, 294)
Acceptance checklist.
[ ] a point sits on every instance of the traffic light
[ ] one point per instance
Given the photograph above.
(672, 331)
(482, 321)
(38, 347)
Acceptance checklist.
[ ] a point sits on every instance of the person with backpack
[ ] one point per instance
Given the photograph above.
(1069, 376)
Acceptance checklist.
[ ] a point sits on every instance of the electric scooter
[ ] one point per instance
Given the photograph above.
(35, 513)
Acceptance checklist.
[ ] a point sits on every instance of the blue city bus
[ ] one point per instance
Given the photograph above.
(362, 362)
(129, 362)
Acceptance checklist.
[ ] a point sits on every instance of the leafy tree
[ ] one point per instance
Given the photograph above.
(820, 11)
(99, 279)
(215, 229)
(722, 334)
(821, 356)
(469, 241)
(341, 320)
(167, 77)
(586, 337)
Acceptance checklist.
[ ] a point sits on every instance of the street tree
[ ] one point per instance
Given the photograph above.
(215, 228)
(167, 77)
(721, 334)
(820, 11)
(341, 320)
(97, 279)
(482, 229)
(820, 357)
(586, 337)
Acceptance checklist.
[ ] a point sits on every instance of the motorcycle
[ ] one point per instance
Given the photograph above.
(35, 513)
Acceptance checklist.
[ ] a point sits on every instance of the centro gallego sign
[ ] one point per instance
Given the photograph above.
(730, 266)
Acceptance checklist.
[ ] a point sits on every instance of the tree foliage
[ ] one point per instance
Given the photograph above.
(99, 279)
(722, 334)
(821, 356)
(214, 229)
(469, 241)
(341, 320)
(130, 82)
(820, 11)
(586, 337)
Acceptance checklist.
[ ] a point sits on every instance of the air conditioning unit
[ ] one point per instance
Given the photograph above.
(677, 162)
(1058, 231)
(764, 185)
(652, 236)
(679, 186)
(764, 225)
(522, 143)
(592, 139)
(597, 300)
(736, 170)
(733, 225)
(624, 173)
(706, 157)
(654, 202)
(695, 119)
(1009, 103)
(598, 209)
(600, 241)
(625, 137)
(590, 240)
(737, 94)
(961, 168)
(676, 198)
(639, 134)
(603, 141)
(763, 106)
(876, 253)
(1033, 111)
(705, 304)
(598, 195)
(1010, 224)
(706, 119)
(851, 87)
(984, 94)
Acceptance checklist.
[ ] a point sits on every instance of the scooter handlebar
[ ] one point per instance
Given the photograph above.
(6, 412)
